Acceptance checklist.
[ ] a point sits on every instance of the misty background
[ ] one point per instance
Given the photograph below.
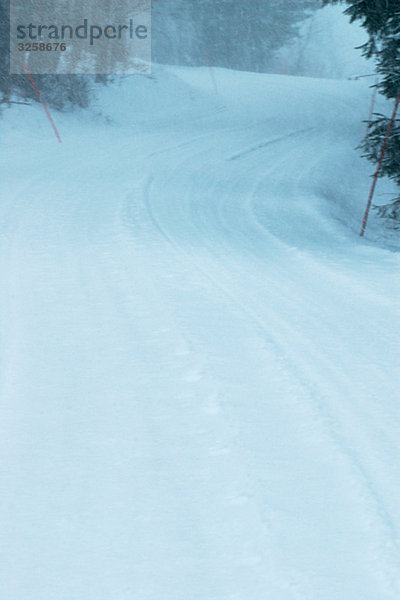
(294, 37)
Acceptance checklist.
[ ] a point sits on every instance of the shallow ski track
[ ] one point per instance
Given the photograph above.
(197, 365)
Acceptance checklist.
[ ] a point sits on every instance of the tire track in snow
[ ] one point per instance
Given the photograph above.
(264, 144)
(374, 501)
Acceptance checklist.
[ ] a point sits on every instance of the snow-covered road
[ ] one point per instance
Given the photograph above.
(199, 354)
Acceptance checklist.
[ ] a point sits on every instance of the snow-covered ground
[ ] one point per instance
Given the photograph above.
(199, 353)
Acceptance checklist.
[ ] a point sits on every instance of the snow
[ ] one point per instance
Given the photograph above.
(199, 354)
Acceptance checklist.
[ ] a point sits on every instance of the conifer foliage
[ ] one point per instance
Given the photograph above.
(381, 19)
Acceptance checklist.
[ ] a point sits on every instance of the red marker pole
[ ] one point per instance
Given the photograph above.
(46, 110)
(380, 161)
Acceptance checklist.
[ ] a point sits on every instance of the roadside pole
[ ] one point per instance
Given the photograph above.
(42, 102)
(379, 166)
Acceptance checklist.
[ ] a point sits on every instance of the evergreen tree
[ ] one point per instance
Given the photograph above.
(381, 19)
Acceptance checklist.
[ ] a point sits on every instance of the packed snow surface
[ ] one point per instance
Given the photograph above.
(199, 353)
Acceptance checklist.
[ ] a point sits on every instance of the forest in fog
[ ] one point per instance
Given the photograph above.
(227, 33)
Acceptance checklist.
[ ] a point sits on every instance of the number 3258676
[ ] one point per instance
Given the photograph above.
(42, 47)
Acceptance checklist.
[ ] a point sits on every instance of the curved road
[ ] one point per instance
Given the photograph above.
(198, 355)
